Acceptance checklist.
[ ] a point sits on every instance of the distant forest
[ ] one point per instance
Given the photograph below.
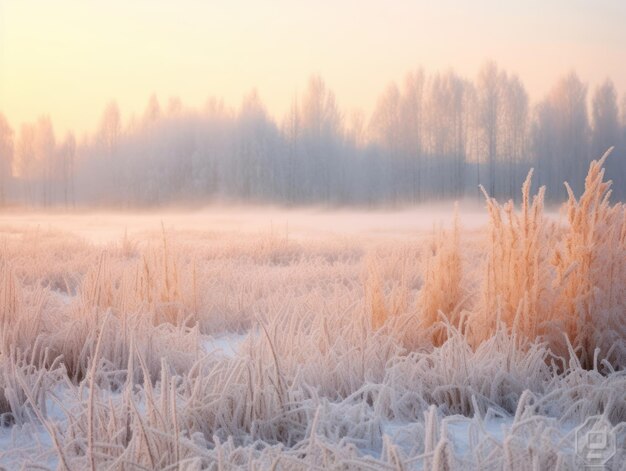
(433, 136)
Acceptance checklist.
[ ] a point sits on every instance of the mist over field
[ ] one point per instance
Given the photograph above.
(435, 136)
(311, 236)
(308, 222)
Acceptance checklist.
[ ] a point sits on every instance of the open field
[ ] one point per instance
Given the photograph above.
(261, 338)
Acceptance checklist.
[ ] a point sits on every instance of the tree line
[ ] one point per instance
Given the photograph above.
(432, 136)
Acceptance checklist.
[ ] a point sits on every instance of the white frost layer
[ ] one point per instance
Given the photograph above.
(227, 345)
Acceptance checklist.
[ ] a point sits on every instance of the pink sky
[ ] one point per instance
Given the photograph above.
(68, 58)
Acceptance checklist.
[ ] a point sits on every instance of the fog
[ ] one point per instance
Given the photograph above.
(432, 137)
(106, 226)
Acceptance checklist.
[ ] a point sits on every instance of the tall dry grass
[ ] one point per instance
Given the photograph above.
(516, 285)
(564, 284)
(590, 261)
(443, 294)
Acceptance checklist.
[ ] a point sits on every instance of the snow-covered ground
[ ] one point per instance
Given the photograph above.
(31, 444)
(228, 344)
(299, 340)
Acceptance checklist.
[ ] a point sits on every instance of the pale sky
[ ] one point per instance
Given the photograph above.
(68, 58)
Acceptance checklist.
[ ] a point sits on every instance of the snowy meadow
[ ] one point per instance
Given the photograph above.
(260, 338)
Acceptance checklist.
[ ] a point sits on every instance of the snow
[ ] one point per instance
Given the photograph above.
(27, 444)
(227, 345)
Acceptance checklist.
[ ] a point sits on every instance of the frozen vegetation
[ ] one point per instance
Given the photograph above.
(480, 343)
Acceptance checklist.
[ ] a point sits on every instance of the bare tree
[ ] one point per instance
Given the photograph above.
(489, 102)
(385, 124)
(6, 157)
(46, 158)
(110, 128)
(67, 157)
(322, 130)
(26, 160)
(112, 163)
(254, 173)
(605, 132)
(514, 130)
(152, 112)
(605, 118)
(291, 133)
(561, 135)
(447, 130)
(413, 130)
(385, 129)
